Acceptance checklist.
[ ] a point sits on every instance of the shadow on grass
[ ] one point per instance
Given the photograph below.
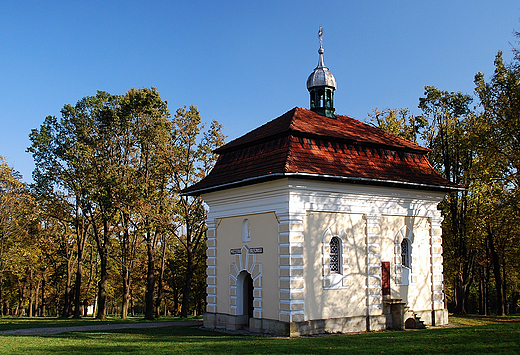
(485, 339)
(11, 322)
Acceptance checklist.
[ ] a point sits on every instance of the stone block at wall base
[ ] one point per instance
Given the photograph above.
(210, 320)
(436, 317)
(440, 316)
(294, 329)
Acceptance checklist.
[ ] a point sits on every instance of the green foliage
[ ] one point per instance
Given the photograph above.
(20, 248)
(108, 177)
(451, 155)
(399, 122)
(191, 158)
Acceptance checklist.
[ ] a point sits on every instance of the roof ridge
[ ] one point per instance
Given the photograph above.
(342, 128)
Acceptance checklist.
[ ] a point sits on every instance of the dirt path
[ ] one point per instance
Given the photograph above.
(93, 328)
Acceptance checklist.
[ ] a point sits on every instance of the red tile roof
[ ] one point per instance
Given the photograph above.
(302, 143)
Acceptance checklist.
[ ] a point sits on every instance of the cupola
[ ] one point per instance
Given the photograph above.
(321, 85)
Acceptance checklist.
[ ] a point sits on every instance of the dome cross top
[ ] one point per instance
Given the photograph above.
(320, 34)
(321, 85)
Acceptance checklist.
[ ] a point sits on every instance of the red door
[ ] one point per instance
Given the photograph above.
(385, 277)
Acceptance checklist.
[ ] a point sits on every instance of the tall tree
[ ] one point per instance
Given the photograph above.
(73, 155)
(451, 155)
(16, 216)
(498, 149)
(147, 116)
(500, 100)
(191, 160)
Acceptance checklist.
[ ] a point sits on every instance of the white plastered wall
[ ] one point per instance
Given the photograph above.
(294, 214)
(416, 291)
(263, 267)
(347, 297)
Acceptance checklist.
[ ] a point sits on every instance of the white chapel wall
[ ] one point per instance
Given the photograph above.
(347, 299)
(264, 233)
(417, 291)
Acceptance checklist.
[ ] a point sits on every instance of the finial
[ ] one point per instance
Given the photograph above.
(320, 34)
(321, 63)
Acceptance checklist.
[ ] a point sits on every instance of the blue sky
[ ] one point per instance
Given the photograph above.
(242, 63)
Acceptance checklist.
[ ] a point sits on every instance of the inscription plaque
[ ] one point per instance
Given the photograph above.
(258, 250)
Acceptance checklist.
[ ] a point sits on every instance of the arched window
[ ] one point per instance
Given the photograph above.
(405, 252)
(335, 255)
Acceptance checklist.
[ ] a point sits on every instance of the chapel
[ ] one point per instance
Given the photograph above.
(320, 223)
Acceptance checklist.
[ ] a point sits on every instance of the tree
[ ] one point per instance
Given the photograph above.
(498, 147)
(16, 216)
(191, 160)
(451, 155)
(399, 122)
(500, 100)
(72, 158)
(146, 116)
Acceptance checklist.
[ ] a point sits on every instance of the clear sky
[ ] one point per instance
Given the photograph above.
(242, 63)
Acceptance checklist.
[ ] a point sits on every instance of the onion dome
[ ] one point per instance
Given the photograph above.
(321, 85)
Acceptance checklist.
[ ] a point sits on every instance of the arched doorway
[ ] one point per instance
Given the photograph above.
(248, 296)
(245, 297)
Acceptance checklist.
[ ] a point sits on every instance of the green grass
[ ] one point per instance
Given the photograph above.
(8, 322)
(475, 335)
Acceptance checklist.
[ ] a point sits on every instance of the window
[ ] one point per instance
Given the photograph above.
(335, 255)
(335, 258)
(405, 253)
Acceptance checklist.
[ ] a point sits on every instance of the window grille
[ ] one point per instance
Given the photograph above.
(335, 255)
(405, 253)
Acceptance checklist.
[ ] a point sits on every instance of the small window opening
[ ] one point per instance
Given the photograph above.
(335, 255)
(405, 253)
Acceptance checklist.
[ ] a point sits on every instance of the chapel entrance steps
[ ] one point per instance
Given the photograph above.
(399, 316)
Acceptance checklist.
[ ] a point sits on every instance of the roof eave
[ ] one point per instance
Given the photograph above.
(346, 179)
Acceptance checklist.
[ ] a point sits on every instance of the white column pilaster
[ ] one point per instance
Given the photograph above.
(290, 266)
(211, 266)
(437, 278)
(373, 248)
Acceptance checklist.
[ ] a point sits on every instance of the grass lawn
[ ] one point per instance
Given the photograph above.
(8, 322)
(479, 335)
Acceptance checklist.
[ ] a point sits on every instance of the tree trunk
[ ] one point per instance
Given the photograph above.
(175, 289)
(81, 235)
(2, 312)
(150, 280)
(66, 297)
(42, 303)
(501, 301)
(484, 291)
(187, 284)
(102, 244)
(160, 281)
(127, 257)
(31, 293)
(102, 284)
(132, 308)
(126, 291)
(77, 287)
(504, 290)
